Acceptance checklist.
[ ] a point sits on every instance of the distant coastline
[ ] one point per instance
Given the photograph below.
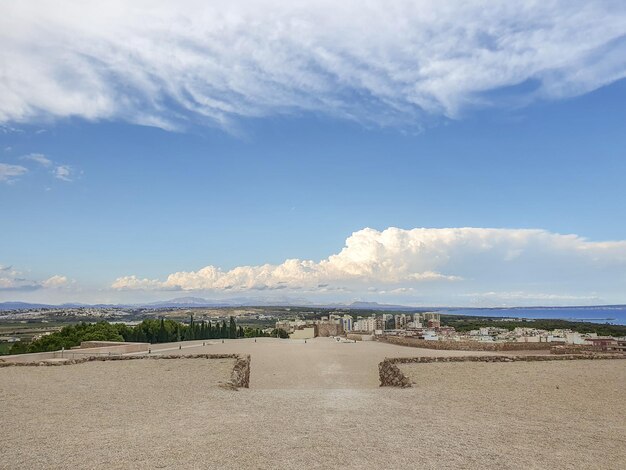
(595, 314)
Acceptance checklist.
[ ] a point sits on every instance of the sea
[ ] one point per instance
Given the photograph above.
(613, 314)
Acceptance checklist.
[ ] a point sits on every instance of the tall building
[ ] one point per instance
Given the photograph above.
(347, 321)
(400, 321)
(432, 319)
(365, 324)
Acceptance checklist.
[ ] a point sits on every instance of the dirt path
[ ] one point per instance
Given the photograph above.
(320, 363)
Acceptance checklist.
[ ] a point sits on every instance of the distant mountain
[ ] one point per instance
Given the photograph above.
(21, 305)
(183, 302)
(32, 306)
(377, 306)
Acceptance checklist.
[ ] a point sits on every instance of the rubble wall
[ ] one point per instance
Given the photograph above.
(390, 374)
(463, 345)
(239, 378)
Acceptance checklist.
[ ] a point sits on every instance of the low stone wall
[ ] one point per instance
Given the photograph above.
(122, 347)
(575, 349)
(86, 348)
(390, 374)
(354, 337)
(463, 345)
(239, 377)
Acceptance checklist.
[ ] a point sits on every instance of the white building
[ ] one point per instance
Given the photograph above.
(347, 321)
(365, 324)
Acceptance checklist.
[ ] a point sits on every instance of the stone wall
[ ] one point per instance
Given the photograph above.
(574, 349)
(86, 348)
(239, 377)
(463, 345)
(329, 329)
(390, 374)
(115, 346)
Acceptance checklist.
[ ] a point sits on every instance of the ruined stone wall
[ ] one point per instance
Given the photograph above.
(463, 345)
(390, 374)
(575, 349)
(115, 346)
(239, 377)
(329, 329)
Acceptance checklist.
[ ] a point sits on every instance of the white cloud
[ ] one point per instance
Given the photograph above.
(64, 173)
(432, 263)
(55, 281)
(37, 157)
(8, 173)
(59, 171)
(13, 280)
(168, 63)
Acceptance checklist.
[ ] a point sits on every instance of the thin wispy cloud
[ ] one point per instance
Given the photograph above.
(59, 171)
(171, 64)
(10, 173)
(37, 157)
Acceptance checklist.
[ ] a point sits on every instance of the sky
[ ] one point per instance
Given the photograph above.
(426, 153)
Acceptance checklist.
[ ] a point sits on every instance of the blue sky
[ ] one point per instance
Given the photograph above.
(118, 188)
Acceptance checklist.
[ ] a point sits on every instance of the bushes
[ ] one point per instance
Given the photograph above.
(71, 336)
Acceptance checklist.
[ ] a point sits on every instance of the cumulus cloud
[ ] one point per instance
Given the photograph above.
(451, 262)
(13, 280)
(169, 64)
(8, 173)
(55, 281)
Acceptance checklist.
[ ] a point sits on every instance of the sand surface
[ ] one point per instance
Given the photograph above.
(170, 414)
(320, 363)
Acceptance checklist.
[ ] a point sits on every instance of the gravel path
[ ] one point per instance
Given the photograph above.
(170, 414)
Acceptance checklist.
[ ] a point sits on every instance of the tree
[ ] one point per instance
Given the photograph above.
(232, 329)
(280, 333)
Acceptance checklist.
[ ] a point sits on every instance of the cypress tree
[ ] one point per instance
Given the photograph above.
(162, 335)
(232, 329)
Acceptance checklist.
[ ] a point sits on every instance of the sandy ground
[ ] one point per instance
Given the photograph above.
(320, 363)
(170, 414)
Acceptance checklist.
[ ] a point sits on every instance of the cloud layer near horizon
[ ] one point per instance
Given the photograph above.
(172, 64)
(509, 264)
(14, 280)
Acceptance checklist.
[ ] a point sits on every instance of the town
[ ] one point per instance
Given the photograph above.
(428, 326)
